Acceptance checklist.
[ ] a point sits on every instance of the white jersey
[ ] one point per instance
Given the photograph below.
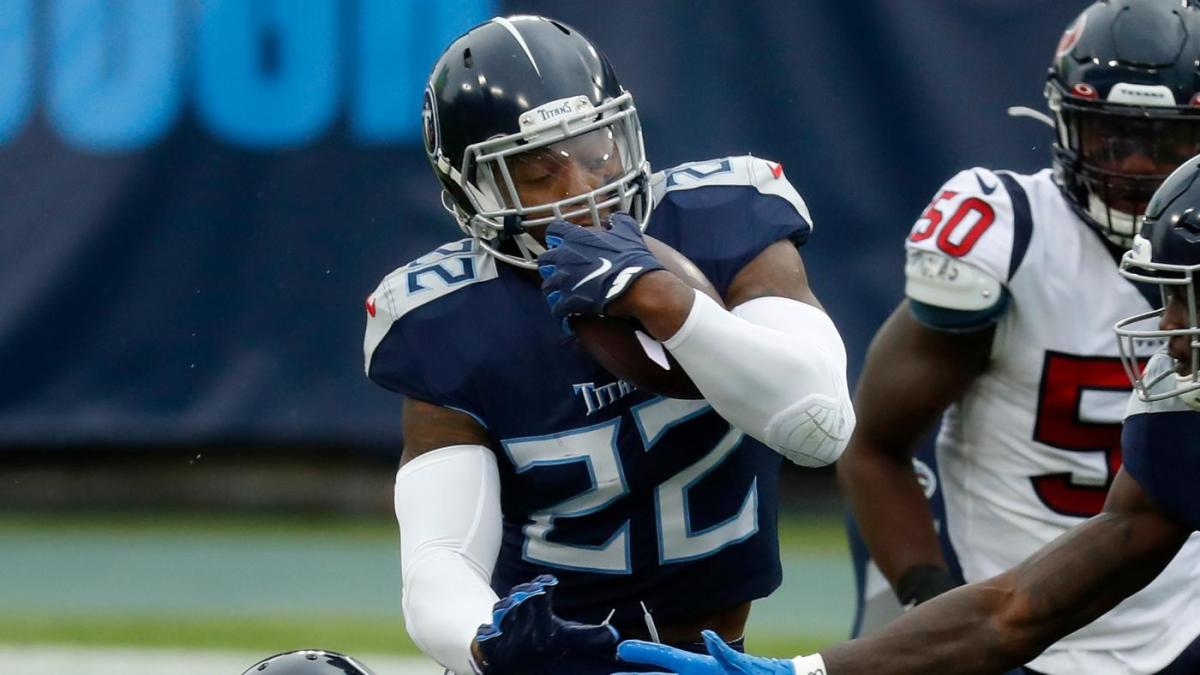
(1033, 445)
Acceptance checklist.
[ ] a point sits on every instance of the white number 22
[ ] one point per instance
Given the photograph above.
(596, 448)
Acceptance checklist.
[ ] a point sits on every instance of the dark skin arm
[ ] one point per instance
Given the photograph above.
(428, 427)
(661, 302)
(912, 373)
(999, 624)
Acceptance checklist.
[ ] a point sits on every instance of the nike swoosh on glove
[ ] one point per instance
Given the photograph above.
(525, 637)
(722, 659)
(584, 269)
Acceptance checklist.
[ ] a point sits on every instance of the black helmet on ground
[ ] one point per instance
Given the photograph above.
(308, 662)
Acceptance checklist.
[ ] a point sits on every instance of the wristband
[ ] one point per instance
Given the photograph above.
(812, 664)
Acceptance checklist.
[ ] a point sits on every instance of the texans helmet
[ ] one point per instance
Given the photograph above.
(514, 89)
(1167, 253)
(308, 662)
(1124, 89)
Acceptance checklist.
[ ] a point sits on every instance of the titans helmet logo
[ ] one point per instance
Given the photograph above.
(429, 124)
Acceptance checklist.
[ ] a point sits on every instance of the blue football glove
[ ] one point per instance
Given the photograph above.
(723, 659)
(586, 269)
(526, 638)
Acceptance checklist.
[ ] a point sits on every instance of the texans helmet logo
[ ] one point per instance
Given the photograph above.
(1070, 38)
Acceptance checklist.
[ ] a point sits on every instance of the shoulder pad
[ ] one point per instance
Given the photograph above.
(445, 270)
(939, 280)
(765, 176)
(979, 217)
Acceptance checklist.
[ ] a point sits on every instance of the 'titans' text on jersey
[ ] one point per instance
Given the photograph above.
(1034, 444)
(626, 497)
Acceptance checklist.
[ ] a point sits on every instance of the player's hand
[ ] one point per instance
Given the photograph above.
(585, 269)
(526, 638)
(722, 659)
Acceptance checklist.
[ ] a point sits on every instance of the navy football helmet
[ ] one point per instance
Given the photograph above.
(308, 662)
(1167, 253)
(524, 96)
(1124, 89)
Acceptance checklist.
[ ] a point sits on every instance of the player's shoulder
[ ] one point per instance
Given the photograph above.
(981, 217)
(452, 270)
(968, 243)
(722, 213)
(704, 180)
(1159, 444)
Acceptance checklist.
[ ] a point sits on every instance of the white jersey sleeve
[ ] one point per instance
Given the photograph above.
(964, 249)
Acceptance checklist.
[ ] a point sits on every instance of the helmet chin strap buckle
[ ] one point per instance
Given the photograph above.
(1192, 399)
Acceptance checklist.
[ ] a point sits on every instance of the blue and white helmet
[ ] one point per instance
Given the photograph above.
(519, 85)
(1167, 254)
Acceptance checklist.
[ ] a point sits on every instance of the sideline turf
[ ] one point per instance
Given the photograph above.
(273, 583)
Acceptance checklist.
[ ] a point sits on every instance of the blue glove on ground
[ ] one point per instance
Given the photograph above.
(584, 269)
(525, 637)
(722, 659)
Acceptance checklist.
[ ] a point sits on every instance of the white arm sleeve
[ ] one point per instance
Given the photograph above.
(448, 507)
(774, 368)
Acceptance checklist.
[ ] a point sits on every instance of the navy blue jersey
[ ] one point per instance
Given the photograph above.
(627, 497)
(1161, 444)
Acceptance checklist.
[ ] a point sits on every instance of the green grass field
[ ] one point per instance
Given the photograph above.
(269, 584)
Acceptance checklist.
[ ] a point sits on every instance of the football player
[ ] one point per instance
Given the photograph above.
(1148, 516)
(1012, 291)
(529, 472)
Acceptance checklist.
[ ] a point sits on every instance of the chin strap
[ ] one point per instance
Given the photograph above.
(1192, 398)
(1118, 227)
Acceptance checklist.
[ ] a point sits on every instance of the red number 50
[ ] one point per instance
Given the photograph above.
(981, 211)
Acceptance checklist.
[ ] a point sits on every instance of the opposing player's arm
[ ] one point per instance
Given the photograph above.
(991, 626)
(912, 373)
(999, 624)
(960, 253)
(447, 502)
(773, 365)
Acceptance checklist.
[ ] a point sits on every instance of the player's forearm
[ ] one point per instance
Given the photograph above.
(445, 601)
(951, 634)
(658, 300)
(448, 508)
(892, 512)
(775, 368)
(998, 624)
